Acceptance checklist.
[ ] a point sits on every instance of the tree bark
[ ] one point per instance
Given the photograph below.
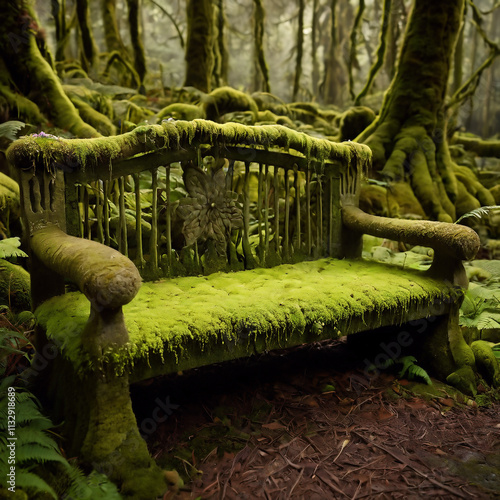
(31, 74)
(89, 48)
(134, 21)
(300, 51)
(261, 70)
(112, 35)
(199, 46)
(409, 137)
(331, 84)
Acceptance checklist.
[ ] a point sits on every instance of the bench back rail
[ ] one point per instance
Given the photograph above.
(187, 198)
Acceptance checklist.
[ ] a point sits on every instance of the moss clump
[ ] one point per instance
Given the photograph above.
(181, 111)
(225, 100)
(14, 286)
(354, 121)
(192, 321)
(486, 361)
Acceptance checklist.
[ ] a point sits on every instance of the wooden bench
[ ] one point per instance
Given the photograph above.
(250, 240)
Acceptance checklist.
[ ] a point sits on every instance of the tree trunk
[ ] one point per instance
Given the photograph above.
(261, 70)
(332, 82)
(199, 46)
(112, 35)
(221, 55)
(409, 137)
(30, 73)
(300, 51)
(314, 47)
(134, 22)
(89, 48)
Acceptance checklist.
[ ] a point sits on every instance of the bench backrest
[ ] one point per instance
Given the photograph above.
(194, 197)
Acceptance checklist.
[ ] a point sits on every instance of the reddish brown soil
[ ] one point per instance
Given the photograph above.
(308, 424)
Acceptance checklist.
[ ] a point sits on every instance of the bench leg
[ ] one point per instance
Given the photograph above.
(448, 355)
(102, 431)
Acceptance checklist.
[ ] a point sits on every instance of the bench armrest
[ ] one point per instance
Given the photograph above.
(452, 243)
(106, 277)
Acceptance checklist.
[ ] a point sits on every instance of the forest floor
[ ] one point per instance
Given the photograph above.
(308, 423)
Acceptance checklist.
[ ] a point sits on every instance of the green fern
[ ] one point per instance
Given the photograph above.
(10, 130)
(496, 351)
(29, 481)
(410, 368)
(40, 467)
(478, 213)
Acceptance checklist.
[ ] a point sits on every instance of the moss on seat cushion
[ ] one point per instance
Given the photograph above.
(186, 322)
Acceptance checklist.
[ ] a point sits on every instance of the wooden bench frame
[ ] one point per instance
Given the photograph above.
(48, 168)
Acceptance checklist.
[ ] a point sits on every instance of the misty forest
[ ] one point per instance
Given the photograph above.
(405, 93)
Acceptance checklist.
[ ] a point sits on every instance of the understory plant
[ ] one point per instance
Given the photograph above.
(40, 469)
(409, 368)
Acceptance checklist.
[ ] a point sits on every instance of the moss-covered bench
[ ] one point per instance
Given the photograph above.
(248, 238)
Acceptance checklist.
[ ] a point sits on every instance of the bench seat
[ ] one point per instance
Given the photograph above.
(181, 323)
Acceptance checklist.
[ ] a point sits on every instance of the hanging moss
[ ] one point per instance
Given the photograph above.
(96, 154)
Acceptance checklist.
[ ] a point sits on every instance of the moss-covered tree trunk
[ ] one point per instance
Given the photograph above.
(199, 45)
(221, 53)
(409, 137)
(331, 84)
(89, 48)
(134, 21)
(261, 70)
(112, 35)
(29, 86)
(300, 51)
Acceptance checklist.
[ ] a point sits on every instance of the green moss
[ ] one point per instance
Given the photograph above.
(190, 321)
(181, 111)
(486, 361)
(14, 286)
(225, 100)
(354, 121)
(98, 153)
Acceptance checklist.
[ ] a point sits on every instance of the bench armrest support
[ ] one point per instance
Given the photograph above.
(106, 277)
(452, 243)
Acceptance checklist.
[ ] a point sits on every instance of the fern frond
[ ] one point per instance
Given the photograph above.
(27, 435)
(28, 481)
(477, 213)
(417, 371)
(9, 247)
(406, 361)
(5, 384)
(10, 129)
(37, 453)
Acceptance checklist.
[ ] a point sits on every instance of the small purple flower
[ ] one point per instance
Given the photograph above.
(48, 136)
